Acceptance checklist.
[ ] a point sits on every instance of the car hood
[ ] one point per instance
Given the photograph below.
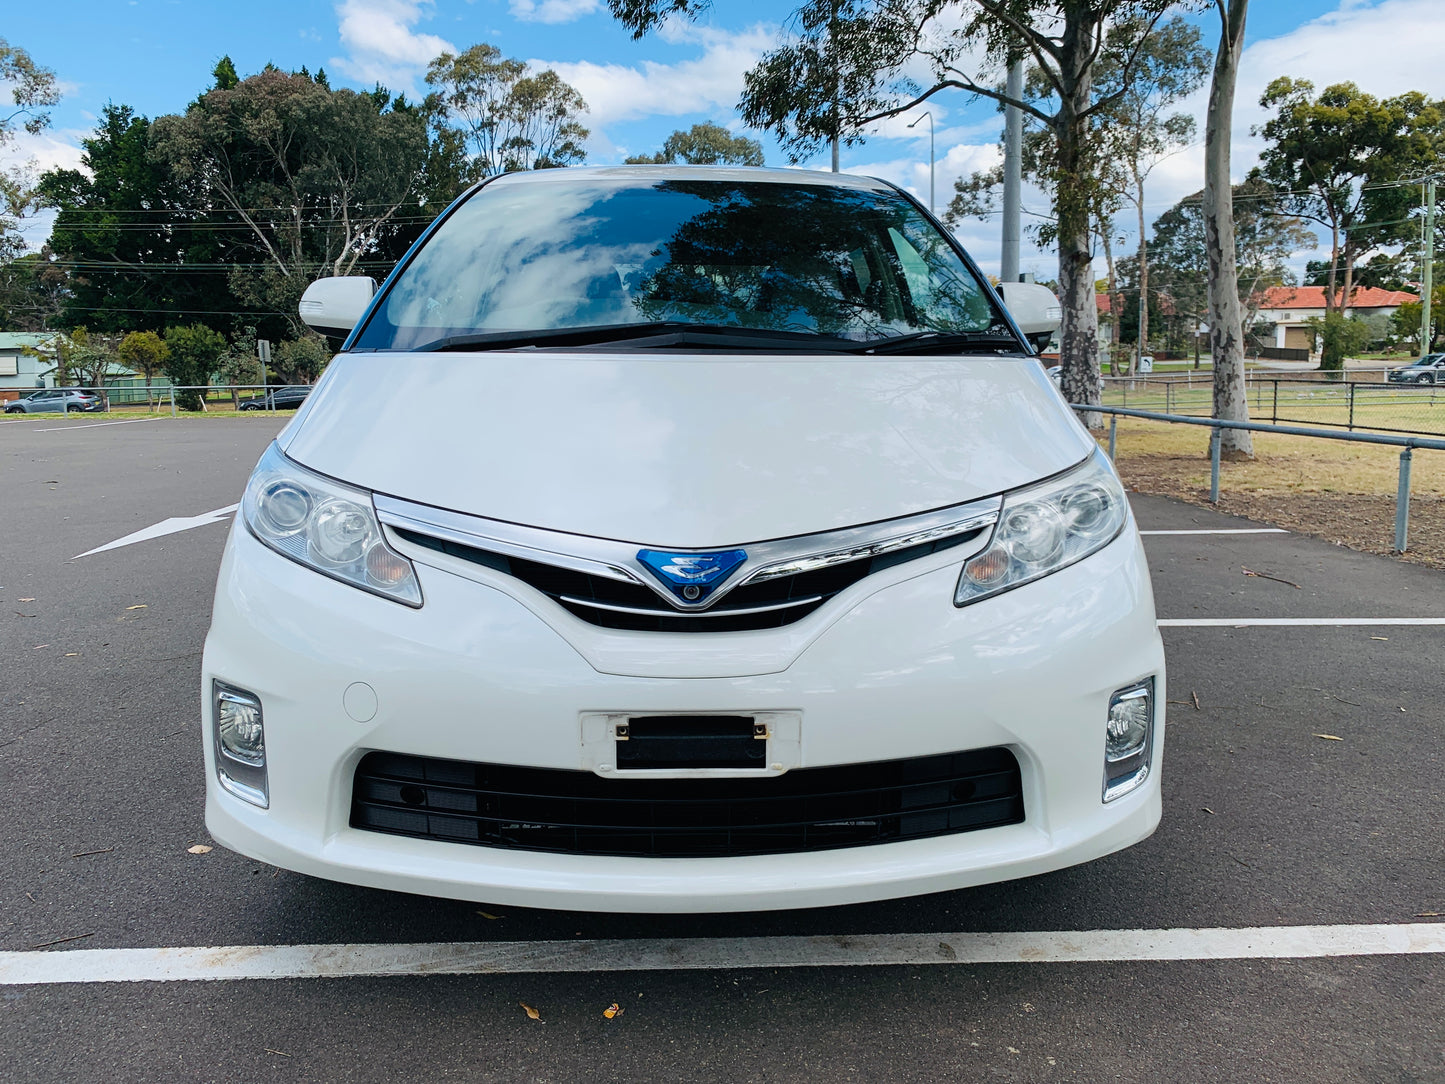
(681, 450)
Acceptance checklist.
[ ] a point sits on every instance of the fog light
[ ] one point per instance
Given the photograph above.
(240, 743)
(1128, 735)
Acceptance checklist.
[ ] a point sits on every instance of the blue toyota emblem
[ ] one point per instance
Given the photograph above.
(692, 577)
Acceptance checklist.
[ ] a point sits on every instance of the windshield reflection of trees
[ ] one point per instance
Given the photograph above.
(802, 258)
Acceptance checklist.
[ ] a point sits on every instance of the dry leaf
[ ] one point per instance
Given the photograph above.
(1329, 737)
(1418, 914)
(531, 1012)
(1372, 637)
(199, 848)
(71, 654)
(142, 606)
(612, 1010)
(25, 600)
(39, 646)
(493, 918)
(1207, 810)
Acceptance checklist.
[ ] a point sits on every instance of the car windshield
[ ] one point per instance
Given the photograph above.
(589, 251)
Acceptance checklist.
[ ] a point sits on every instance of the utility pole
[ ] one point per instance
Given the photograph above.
(1427, 269)
(1013, 171)
(929, 114)
(833, 48)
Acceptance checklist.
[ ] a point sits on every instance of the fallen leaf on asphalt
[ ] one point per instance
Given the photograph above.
(199, 848)
(1207, 810)
(493, 918)
(39, 646)
(1195, 697)
(281, 1052)
(612, 1010)
(71, 654)
(1372, 637)
(143, 606)
(25, 600)
(1329, 737)
(1418, 914)
(531, 1012)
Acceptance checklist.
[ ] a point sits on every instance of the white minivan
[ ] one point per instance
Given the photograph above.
(681, 539)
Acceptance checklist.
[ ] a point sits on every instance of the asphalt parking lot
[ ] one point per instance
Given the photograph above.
(1302, 787)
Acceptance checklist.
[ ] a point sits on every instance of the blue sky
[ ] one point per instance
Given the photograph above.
(156, 55)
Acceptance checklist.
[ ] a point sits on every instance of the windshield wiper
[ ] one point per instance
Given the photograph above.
(942, 342)
(655, 335)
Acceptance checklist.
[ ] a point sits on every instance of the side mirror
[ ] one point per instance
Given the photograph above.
(332, 306)
(1034, 308)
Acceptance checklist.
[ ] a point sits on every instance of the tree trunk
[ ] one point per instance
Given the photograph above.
(1115, 302)
(1331, 278)
(1079, 330)
(1226, 325)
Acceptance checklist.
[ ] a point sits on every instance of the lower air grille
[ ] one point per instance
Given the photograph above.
(615, 604)
(808, 809)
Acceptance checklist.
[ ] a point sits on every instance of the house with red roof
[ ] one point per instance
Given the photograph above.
(1290, 309)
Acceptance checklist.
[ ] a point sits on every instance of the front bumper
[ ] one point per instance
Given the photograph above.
(489, 671)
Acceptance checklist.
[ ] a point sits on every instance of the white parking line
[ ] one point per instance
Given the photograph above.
(165, 527)
(94, 425)
(1268, 622)
(714, 953)
(1230, 530)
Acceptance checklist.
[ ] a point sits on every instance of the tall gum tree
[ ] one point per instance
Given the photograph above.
(1339, 159)
(853, 63)
(1226, 317)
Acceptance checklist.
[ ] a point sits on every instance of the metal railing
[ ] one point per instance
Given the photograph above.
(1406, 444)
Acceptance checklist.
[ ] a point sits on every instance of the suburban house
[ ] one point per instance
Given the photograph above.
(21, 373)
(1290, 308)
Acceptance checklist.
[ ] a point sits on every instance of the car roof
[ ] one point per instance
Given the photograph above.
(722, 174)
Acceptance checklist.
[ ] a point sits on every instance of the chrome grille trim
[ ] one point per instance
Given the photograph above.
(617, 560)
(739, 612)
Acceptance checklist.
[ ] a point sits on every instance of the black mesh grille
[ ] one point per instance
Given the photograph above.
(808, 589)
(809, 809)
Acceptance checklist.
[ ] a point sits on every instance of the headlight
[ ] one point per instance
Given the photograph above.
(327, 526)
(1045, 528)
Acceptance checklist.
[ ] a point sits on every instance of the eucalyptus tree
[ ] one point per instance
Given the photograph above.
(1140, 128)
(308, 179)
(508, 118)
(1226, 320)
(1344, 160)
(852, 63)
(705, 144)
(32, 91)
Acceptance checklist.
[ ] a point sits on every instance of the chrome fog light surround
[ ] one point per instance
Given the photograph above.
(239, 739)
(1128, 739)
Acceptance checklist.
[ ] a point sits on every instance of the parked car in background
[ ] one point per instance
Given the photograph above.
(56, 401)
(287, 398)
(1428, 370)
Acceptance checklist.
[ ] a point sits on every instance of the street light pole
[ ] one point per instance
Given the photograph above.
(929, 114)
(1427, 266)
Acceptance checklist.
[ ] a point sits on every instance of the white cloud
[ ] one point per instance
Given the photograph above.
(552, 11)
(382, 46)
(707, 83)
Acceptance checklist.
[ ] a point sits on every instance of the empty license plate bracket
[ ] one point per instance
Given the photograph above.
(663, 744)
